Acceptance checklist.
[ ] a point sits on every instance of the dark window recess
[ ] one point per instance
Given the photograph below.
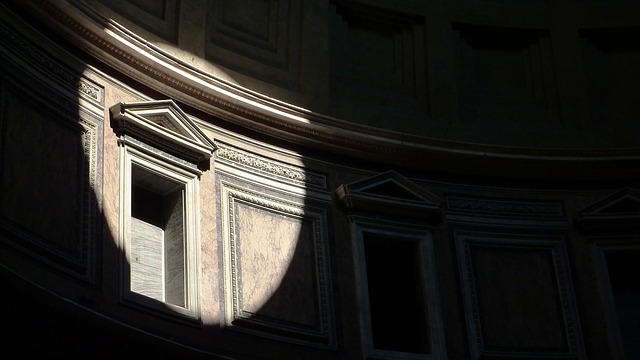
(397, 298)
(623, 267)
(157, 238)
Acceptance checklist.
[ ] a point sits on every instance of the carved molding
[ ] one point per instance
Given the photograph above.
(20, 47)
(258, 164)
(135, 159)
(497, 207)
(151, 66)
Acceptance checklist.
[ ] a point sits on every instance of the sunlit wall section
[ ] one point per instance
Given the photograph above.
(275, 224)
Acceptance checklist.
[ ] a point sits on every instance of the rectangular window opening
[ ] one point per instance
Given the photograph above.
(621, 265)
(158, 258)
(397, 298)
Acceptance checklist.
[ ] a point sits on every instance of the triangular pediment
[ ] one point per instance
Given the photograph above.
(167, 121)
(392, 185)
(162, 124)
(625, 201)
(389, 193)
(619, 210)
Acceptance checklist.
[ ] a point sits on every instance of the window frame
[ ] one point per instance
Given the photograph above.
(159, 137)
(391, 203)
(130, 157)
(608, 227)
(602, 245)
(399, 231)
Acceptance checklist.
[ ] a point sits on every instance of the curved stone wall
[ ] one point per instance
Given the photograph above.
(388, 180)
(529, 74)
(458, 83)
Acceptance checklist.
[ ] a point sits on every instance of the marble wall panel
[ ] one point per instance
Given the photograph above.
(277, 266)
(146, 265)
(268, 242)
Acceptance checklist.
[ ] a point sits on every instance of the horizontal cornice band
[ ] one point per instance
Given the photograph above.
(141, 61)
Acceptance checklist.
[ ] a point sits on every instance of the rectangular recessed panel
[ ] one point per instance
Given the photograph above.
(157, 8)
(518, 298)
(613, 76)
(277, 269)
(257, 38)
(42, 191)
(517, 295)
(376, 58)
(625, 288)
(158, 17)
(505, 76)
(277, 266)
(49, 199)
(251, 20)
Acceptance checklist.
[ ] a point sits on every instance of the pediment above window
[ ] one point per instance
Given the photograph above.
(618, 211)
(389, 194)
(164, 126)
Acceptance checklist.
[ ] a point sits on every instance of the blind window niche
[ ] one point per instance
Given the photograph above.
(158, 263)
(396, 293)
(613, 225)
(392, 221)
(621, 263)
(159, 232)
(162, 156)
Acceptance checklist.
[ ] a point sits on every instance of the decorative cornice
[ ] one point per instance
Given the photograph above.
(149, 65)
(255, 163)
(505, 207)
(34, 56)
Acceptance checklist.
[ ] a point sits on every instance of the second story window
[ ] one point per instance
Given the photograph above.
(392, 223)
(162, 154)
